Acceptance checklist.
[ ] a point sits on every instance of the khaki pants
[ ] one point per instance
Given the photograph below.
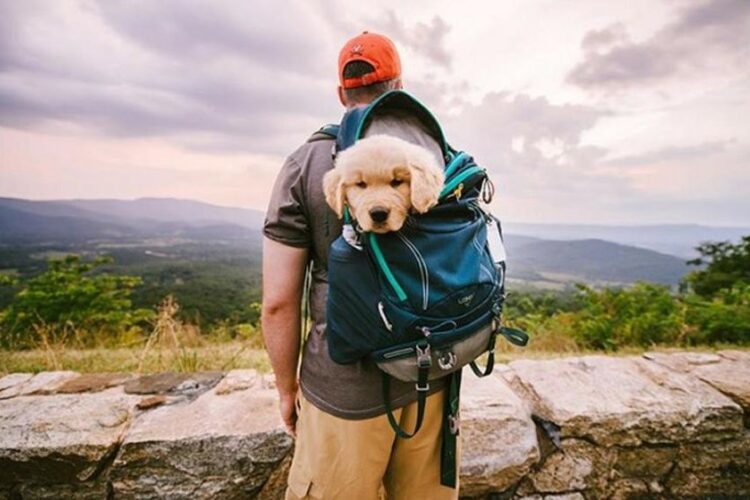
(336, 458)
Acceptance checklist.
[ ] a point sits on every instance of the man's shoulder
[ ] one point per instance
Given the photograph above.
(315, 153)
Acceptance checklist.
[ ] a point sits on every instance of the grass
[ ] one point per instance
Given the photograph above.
(171, 346)
(237, 354)
(223, 356)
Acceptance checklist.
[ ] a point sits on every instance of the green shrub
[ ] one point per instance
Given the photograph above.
(643, 315)
(71, 297)
(723, 318)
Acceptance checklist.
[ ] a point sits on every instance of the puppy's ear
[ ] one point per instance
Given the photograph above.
(426, 181)
(333, 188)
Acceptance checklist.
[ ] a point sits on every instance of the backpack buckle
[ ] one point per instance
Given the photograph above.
(447, 360)
(424, 360)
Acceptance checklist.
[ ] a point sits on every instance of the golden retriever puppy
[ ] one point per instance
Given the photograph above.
(382, 179)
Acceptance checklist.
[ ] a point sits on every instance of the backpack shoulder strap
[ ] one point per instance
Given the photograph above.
(356, 119)
(405, 102)
(325, 133)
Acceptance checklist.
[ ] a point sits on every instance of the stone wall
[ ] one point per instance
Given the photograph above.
(654, 426)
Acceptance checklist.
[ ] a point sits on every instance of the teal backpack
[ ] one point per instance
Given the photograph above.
(424, 301)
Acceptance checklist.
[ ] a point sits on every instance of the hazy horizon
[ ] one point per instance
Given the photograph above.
(504, 221)
(588, 113)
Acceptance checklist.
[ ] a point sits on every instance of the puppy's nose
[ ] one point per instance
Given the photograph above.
(379, 214)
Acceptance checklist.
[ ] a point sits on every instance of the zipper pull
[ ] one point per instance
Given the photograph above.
(458, 192)
(387, 323)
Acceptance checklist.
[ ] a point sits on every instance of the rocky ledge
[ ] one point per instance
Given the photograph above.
(654, 426)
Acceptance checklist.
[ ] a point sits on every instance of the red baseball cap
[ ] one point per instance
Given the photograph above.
(378, 50)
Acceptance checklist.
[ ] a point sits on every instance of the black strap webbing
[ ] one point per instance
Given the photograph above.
(487, 369)
(490, 360)
(422, 387)
(450, 430)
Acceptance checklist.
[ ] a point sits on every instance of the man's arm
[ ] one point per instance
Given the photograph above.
(283, 278)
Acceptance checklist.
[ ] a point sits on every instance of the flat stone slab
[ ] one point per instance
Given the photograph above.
(93, 382)
(215, 446)
(727, 371)
(624, 401)
(62, 438)
(46, 382)
(734, 354)
(173, 383)
(23, 384)
(499, 443)
(10, 385)
(238, 380)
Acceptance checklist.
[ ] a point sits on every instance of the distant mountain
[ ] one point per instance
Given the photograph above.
(589, 260)
(675, 239)
(53, 209)
(195, 213)
(17, 226)
(541, 253)
(79, 221)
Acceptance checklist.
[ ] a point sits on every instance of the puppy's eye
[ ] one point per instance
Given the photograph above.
(396, 183)
(361, 184)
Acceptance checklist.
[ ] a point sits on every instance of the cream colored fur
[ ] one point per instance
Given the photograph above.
(383, 172)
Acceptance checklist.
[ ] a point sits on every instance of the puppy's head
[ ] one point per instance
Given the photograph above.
(382, 178)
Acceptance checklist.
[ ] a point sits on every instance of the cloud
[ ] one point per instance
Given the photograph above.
(533, 151)
(192, 31)
(550, 133)
(706, 37)
(672, 154)
(423, 38)
(234, 77)
(231, 76)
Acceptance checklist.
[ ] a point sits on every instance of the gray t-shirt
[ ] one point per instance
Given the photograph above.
(299, 216)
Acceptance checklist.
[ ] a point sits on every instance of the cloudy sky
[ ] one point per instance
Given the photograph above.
(619, 112)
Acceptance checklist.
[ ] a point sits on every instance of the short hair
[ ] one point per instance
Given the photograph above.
(366, 93)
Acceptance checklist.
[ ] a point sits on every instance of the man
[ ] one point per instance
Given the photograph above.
(345, 447)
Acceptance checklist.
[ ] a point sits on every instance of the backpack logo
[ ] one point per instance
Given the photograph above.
(466, 301)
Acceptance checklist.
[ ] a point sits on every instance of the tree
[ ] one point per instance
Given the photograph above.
(71, 295)
(726, 265)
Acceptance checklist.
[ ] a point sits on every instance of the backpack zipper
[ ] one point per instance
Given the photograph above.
(380, 258)
(423, 271)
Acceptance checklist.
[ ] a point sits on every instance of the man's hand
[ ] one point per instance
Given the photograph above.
(283, 278)
(288, 408)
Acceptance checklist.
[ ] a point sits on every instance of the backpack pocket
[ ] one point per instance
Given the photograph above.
(446, 359)
(354, 326)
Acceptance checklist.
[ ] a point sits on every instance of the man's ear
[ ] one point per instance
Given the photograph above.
(333, 188)
(341, 96)
(426, 182)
